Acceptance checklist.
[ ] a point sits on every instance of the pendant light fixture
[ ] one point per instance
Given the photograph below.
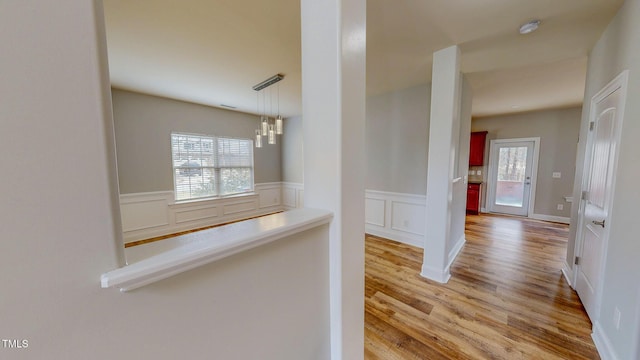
(279, 118)
(268, 128)
(258, 139)
(272, 135)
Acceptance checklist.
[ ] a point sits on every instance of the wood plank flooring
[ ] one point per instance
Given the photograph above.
(506, 298)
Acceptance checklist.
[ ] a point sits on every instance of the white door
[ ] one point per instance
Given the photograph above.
(595, 205)
(510, 176)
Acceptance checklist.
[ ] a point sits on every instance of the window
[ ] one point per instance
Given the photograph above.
(208, 166)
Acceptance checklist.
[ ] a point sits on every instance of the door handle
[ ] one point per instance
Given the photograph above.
(601, 223)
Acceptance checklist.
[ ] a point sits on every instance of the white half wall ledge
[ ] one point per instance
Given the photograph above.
(159, 260)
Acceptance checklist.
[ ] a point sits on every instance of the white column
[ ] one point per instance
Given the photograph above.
(443, 138)
(333, 102)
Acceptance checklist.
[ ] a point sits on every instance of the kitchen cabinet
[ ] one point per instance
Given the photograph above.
(473, 198)
(476, 148)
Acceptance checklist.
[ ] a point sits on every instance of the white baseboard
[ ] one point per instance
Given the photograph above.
(567, 271)
(394, 235)
(455, 251)
(436, 274)
(603, 344)
(558, 219)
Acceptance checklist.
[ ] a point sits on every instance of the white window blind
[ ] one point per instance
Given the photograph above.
(208, 166)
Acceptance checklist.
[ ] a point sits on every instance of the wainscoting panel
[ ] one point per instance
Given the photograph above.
(196, 213)
(147, 215)
(408, 217)
(145, 211)
(292, 195)
(395, 216)
(375, 212)
(270, 195)
(239, 207)
(289, 197)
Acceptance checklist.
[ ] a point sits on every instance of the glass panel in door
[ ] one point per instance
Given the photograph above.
(512, 167)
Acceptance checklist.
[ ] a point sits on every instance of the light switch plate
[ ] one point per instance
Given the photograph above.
(556, 175)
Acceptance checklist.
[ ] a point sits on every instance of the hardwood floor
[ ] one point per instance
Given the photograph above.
(506, 298)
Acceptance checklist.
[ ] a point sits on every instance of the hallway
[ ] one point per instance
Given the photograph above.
(507, 298)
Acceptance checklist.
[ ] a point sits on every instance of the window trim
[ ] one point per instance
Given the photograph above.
(216, 169)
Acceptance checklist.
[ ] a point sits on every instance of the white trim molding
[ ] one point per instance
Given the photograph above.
(567, 272)
(534, 171)
(292, 195)
(455, 251)
(603, 344)
(551, 218)
(152, 214)
(441, 276)
(395, 216)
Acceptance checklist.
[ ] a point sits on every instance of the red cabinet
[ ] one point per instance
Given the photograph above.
(476, 148)
(473, 199)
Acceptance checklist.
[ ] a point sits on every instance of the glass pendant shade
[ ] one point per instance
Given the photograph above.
(272, 135)
(279, 125)
(258, 139)
(265, 125)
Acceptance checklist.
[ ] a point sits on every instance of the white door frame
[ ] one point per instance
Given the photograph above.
(619, 82)
(534, 170)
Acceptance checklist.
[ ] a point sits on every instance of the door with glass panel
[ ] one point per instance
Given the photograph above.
(510, 176)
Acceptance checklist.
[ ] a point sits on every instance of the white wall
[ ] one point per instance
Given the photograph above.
(397, 140)
(333, 103)
(459, 190)
(618, 49)
(60, 225)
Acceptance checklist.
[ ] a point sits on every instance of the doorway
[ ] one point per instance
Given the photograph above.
(513, 165)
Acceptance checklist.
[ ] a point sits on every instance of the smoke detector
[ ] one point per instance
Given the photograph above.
(529, 27)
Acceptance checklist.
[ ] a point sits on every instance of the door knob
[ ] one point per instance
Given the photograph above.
(601, 223)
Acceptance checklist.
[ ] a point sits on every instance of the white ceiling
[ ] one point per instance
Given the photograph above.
(213, 52)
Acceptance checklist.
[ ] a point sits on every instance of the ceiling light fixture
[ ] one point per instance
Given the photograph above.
(270, 81)
(268, 128)
(529, 27)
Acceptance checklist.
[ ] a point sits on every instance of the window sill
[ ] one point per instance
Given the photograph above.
(159, 260)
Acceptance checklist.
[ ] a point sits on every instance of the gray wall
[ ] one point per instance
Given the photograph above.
(618, 49)
(292, 151)
(558, 132)
(143, 125)
(397, 131)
